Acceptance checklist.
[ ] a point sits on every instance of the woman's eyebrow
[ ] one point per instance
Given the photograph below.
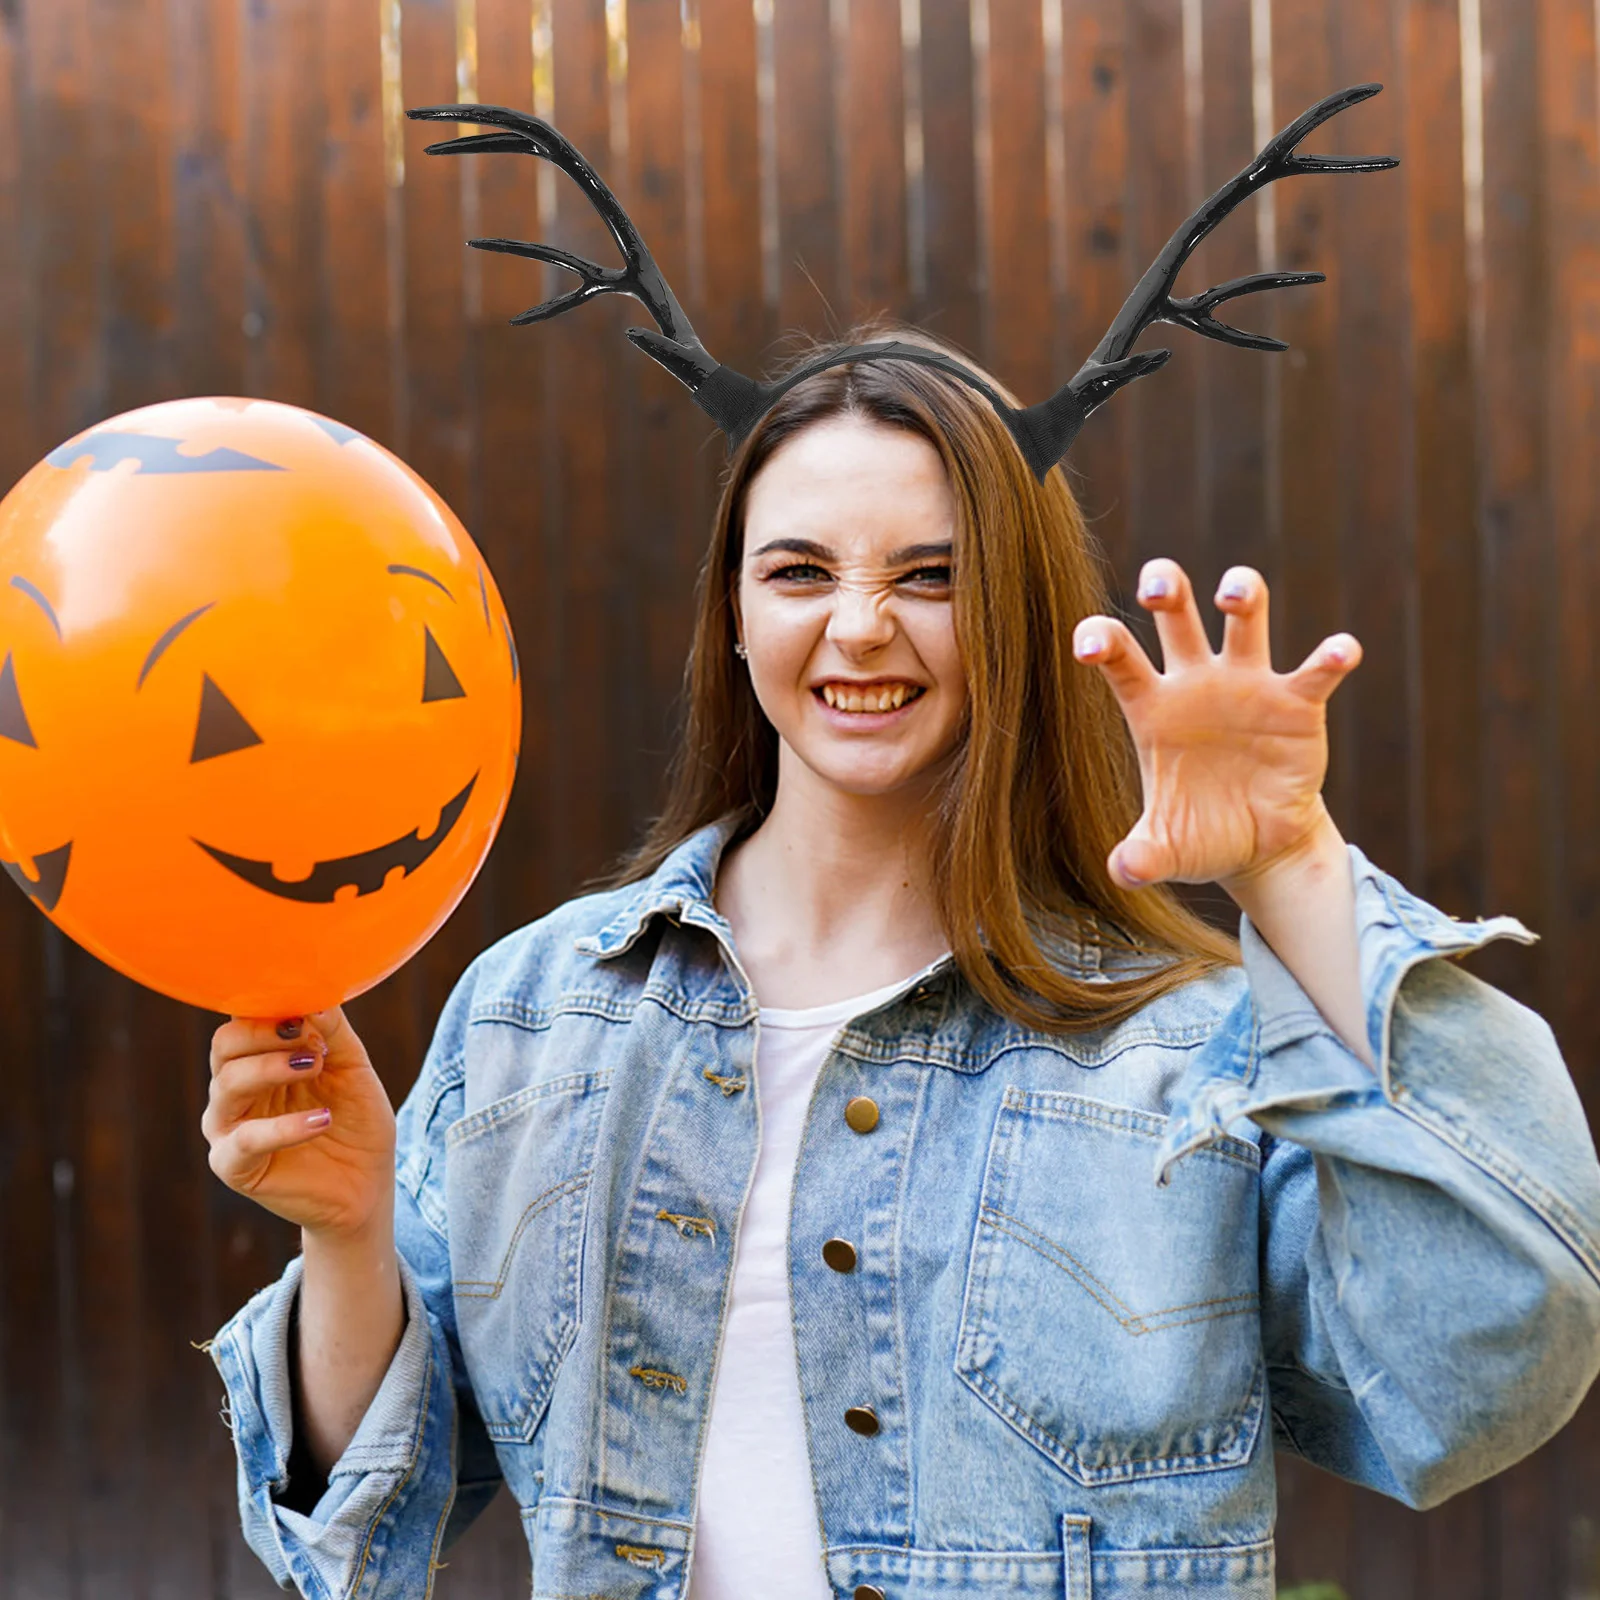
(920, 552)
(797, 547)
(896, 558)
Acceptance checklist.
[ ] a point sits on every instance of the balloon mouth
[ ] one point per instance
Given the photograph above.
(366, 872)
(45, 891)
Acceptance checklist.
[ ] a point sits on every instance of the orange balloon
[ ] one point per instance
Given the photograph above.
(259, 703)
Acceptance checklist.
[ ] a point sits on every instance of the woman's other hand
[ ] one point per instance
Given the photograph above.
(1232, 755)
(299, 1121)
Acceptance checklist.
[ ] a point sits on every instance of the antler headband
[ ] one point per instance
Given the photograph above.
(1043, 432)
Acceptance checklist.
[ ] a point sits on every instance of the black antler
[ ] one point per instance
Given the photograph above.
(1043, 432)
(1046, 430)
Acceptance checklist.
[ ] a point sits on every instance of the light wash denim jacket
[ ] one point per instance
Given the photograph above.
(1099, 1279)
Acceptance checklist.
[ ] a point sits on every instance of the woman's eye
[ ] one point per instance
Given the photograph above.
(800, 572)
(925, 576)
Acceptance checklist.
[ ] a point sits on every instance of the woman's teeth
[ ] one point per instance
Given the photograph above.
(883, 697)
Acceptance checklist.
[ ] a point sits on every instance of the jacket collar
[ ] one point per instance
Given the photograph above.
(680, 887)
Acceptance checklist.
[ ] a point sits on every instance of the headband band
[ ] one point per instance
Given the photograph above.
(1043, 432)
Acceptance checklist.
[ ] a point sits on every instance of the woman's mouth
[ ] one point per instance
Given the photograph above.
(868, 699)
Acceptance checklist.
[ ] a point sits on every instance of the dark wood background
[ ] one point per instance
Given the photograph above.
(220, 196)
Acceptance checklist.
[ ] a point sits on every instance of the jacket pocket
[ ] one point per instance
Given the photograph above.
(517, 1180)
(1113, 1324)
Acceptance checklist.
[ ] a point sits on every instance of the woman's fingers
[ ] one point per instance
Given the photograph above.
(1242, 598)
(1106, 643)
(239, 1156)
(239, 1086)
(1164, 592)
(252, 1036)
(1326, 667)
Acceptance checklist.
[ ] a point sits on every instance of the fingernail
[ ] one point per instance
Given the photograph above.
(1154, 589)
(289, 1028)
(303, 1062)
(1234, 589)
(1091, 644)
(319, 1119)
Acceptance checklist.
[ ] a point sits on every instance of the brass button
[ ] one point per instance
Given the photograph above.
(840, 1254)
(867, 1591)
(862, 1419)
(862, 1114)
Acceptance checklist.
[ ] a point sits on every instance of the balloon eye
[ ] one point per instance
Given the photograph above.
(222, 728)
(13, 719)
(439, 681)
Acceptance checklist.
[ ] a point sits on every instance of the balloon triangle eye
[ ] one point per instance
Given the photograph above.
(13, 720)
(439, 682)
(222, 728)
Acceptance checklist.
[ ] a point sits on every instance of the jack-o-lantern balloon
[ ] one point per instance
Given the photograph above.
(259, 708)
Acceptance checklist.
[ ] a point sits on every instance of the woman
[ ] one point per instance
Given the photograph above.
(888, 1188)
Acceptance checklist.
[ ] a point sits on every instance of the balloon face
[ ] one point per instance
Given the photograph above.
(259, 703)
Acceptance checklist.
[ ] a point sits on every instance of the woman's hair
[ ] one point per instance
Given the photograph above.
(1043, 782)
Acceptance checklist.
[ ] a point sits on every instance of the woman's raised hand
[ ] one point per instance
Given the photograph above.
(299, 1121)
(1232, 755)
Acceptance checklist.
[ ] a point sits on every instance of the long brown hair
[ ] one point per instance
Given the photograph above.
(1044, 782)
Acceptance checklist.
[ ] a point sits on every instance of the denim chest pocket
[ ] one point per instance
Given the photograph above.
(1113, 1324)
(517, 1176)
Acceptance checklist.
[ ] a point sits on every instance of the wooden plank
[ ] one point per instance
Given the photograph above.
(1235, 519)
(1370, 717)
(665, 528)
(1570, 138)
(285, 122)
(209, 211)
(354, 377)
(1449, 596)
(951, 300)
(872, 96)
(1307, 592)
(20, 446)
(1100, 266)
(1161, 410)
(591, 411)
(1020, 293)
(809, 144)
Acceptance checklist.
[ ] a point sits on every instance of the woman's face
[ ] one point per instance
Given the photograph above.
(844, 605)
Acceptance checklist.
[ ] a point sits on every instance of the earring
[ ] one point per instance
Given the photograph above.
(740, 650)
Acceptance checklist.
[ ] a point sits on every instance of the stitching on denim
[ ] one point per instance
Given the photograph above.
(643, 1555)
(411, 1466)
(729, 1083)
(1064, 1107)
(655, 1378)
(435, 1565)
(927, 1052)
(1557, 1215)
(690, 1227)
(1128, 1469)
(490, 1289)
(600, 1513)
(1134, 1321)
(486, 1118)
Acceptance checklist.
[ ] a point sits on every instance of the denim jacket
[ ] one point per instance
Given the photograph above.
(1099, 1278)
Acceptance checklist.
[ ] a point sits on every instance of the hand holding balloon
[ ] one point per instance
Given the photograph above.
(269, 1128)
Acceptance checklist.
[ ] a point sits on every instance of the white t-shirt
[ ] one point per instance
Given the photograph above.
(757, 1518)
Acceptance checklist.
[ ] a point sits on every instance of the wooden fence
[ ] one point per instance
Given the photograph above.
(221, 196)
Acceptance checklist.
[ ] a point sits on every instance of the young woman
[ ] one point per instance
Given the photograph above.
(887, 1188)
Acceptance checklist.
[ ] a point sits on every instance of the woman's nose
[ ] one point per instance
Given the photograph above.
(860, 617)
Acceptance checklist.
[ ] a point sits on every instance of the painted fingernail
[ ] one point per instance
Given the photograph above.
(303, 1062)
(1090, 644)
(319, 1119)
(1234, 589)
(1154, 589)
(289, 1028)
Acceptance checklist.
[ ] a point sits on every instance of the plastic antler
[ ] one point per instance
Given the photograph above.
(677, 347)
(1046, 430)
(1043, 432)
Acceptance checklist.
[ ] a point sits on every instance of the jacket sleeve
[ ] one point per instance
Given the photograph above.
(420, 1466)
(1430, 1244)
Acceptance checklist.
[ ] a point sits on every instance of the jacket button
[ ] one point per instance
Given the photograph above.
(861, 1419)
(862, 1113)
(867, 1591)
(840, 1254)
